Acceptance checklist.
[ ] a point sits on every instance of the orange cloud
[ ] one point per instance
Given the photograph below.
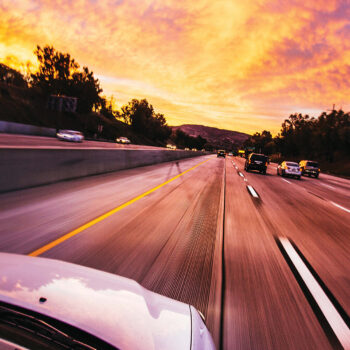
(238, 65)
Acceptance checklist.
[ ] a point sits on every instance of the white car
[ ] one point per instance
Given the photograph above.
(170, 146)
(123, 139)
(46, 302)
(70, 135)
(289, 169)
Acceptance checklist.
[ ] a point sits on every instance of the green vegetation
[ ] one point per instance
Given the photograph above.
(325, 139)
(25, 99)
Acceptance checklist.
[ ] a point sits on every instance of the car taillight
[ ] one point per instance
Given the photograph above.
(266, 164)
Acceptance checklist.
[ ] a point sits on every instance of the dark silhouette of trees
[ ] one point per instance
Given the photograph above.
(262, 143)
(140, 115)
(11, 76)
(183, 140)
(59, 74)
(303, 136)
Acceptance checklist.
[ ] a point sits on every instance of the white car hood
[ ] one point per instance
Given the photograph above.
(113, 308)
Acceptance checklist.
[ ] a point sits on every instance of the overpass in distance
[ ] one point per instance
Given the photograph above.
(264, 258)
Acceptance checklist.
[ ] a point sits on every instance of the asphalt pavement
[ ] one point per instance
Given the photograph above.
(263, 257)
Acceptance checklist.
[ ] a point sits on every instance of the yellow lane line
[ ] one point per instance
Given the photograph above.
(106, 215)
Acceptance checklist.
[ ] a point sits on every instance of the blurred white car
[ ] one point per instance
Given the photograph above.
(170, 146)
(123, 139)
(70, 135)
(289, 169)
(50, 304)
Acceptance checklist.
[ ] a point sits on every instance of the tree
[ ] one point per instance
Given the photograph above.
(11, 76)
(59, 74)
(261, 142)
(140, 115)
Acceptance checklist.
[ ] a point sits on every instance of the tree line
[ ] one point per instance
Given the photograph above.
(326, 137)
(59, 74)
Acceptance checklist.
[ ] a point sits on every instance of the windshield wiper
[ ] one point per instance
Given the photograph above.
(40, 328)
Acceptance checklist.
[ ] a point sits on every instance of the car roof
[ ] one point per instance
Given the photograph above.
(66, 130)
(258, 154)
(113, 308)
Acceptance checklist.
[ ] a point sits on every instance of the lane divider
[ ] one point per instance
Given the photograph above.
(331, 187)
(340, 207)
(240, 174)
(106, 215)
(287, 181)
(332, 317)
(252, 191)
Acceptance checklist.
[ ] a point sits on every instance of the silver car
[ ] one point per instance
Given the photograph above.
(289, 169)
(45, 303)
(70, 135)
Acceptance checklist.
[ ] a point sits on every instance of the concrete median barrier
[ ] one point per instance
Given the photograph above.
(23, 168)
(25, 129)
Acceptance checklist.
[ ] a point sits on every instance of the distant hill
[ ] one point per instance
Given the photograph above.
(216, 137)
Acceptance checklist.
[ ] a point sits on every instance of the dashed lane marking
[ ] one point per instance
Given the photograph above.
(331, 187)
(336, 327)
(340, 207)
(252, 191)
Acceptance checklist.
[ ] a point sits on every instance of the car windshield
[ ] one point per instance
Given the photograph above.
(259, 157)
(292, 164)
(70, 132)
(32, 330)
(313, 164)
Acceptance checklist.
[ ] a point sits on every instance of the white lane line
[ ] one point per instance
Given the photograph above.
(333, 188)
(340, 207)
(245, 179)
(287, 181)
(252, 191)
(240, 174)
(331, 314)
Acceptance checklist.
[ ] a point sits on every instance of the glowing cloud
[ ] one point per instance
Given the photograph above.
(232, 64)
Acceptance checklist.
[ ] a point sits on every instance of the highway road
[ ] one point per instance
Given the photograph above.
(28, 141)
(264, 258)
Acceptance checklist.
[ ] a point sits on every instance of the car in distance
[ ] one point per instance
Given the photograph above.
(256, 161)
(170, 146)
(309, 168)
(122, 139)
(287, 168)
(221, 153)
(70, 135)
(51, 304)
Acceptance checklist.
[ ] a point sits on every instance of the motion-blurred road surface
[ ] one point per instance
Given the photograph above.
(248, 250)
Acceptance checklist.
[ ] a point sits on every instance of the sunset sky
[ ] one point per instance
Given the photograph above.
(238, 65)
